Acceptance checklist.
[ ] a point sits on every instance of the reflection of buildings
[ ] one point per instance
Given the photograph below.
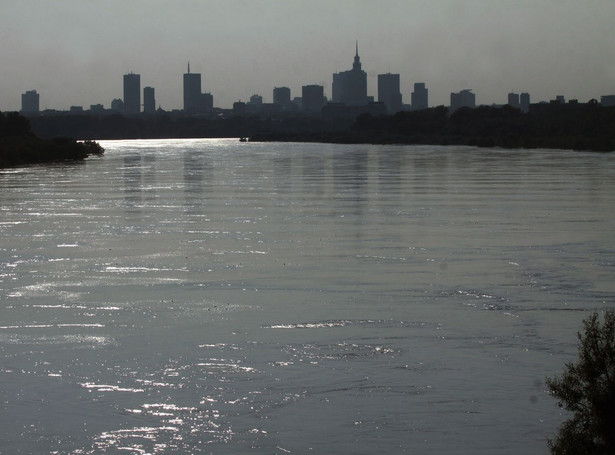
(388, 92)
(30, 102)
(419, 97)
(149, 100)
(350, 87)
(196, 102)
(132, 93)
(313, 98)
(464, 98)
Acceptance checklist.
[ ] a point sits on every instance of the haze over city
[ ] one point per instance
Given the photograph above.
(74, 52)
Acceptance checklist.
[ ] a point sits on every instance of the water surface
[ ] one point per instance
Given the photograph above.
(211, 296)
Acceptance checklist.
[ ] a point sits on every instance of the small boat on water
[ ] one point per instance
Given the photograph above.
(243, 139)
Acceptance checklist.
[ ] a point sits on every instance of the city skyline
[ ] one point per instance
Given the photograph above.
(246, 47)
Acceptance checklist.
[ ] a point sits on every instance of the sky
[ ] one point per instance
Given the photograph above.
(75, 52)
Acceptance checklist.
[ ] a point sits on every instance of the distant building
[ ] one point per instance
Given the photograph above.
(607, 100)
(239, 108)
(350, 87)
(97, 108)
(524, 102)
(419, 97)
(117, 105)
(30, 102)
(206, 102)
(281, 96)
(513, 100)
(256, 100)
(389, 92)
(464, 98)
(192, 92)
(132, 93)
(560, 99)
(149, 100)
(76, 110)
(313, 98)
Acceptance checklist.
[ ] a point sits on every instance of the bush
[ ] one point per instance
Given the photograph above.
(587, 390)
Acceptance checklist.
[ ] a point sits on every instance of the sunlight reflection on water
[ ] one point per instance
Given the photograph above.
(207, 296)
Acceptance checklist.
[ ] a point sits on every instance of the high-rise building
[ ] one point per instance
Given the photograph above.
(196, 102)
(350, 87)
(607, 100)
(30, 102)
(513, 100)
(149, 100)
(281, 96)
(132, 93)
(388, 92)
(192, 91)
(419, 97)
(524, 103)
(464, 98)
(313, 98)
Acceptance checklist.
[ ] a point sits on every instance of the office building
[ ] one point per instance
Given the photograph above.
(389, 93)
(192, 91)
(464, 98)
(350, 87)
(524, 102)
(149, 100)
(513, 100)
(419, 97)
(30, 102)
(132, 93)
(607, 100)
(313, 98)
(117, 105)
(281, 96)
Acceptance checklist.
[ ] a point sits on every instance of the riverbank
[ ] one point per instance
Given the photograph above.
(581, 127)
(572, 126)
(19, 146)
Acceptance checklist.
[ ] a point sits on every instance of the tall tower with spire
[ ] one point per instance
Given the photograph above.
(350, 87)
(356, 66)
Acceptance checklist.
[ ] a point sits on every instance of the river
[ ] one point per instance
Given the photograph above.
(212, 296)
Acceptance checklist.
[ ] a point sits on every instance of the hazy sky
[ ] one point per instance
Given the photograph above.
(74, 52)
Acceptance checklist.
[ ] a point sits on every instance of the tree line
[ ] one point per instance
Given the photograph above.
(19, 145)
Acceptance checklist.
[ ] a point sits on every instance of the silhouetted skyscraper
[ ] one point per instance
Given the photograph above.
(464, 98)
(149, 100)
(281, 96)
(525, 102)
(513, 100)
(192, 91)
(30, 102)
(388, 92)
(419, 97)
(312, 98)
(132, 93)
(350, 87)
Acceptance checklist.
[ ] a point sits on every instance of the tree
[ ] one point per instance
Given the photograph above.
(587, 389)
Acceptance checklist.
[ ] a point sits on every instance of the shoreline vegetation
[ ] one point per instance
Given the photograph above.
(19, 146)
(572, 126)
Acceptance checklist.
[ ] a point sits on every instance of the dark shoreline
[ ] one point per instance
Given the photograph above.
(19, 146)
(589, 127)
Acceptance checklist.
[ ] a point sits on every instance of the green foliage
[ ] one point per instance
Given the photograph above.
(587, 390)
